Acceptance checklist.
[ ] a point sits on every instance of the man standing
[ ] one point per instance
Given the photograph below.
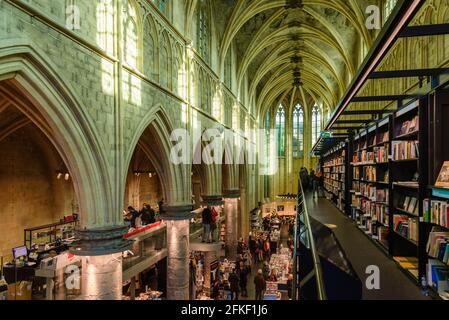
(260, 285)
(214, 225)
(234, 282)
(207, 220)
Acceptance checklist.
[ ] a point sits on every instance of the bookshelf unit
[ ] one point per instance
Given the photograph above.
(370, 186)
(388, 186)
(335, 175)
(435, 221)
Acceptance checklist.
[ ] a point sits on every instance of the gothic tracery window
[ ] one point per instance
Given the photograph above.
(130, 36)
(298, 131)
(280, 127)
(203, 30)
(316, 124)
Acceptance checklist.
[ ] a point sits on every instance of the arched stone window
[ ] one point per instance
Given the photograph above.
(280, 127)
(163, 6)
(203, 30)
(130, 35)
(298, 131)
(316, 124)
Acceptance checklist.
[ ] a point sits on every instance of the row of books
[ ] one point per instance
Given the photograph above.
(381, 154)
(438, 245)
(438, 277)
(369, 173)
(368, 190)
(409, 204)
(406, 227)
(408, 127)
(363, 156)
(377, 139)
(356, 173)
(436, 212)
(405, 150)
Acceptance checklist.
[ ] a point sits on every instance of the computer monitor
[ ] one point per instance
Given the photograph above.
(19, 252)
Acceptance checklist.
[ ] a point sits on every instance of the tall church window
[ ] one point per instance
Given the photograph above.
(316, 124)
(280, 127)
(130, 36)
(298, 131)
(203, 30)
(162, 5)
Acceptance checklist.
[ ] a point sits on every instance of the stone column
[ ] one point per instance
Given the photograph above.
(231, 205)
(209, 257)
(101, 251)
(178, 234)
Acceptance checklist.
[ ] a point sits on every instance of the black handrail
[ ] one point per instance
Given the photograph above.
(304, 238)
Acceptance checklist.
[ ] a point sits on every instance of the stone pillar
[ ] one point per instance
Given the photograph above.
(101, 251)
(209, 257)
(231, 204)
(178, 235)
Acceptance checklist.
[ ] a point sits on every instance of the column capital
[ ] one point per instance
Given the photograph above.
(213, 200)
(179, 212)
(100, 241)
(232, 193)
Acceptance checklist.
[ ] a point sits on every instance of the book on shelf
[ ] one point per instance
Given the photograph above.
(436, 212)
(409, 126)
(443, 177)
(381, 154)
(438, 276)
(384, 137)
(406, 227)
(404, 150)
(438, 245)
(382, 195)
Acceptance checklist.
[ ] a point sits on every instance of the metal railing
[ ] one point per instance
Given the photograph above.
(304, 242)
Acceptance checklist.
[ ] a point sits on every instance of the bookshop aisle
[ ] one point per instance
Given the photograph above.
(362, 252)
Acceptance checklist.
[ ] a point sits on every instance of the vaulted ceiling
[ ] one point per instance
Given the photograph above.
(308, 46)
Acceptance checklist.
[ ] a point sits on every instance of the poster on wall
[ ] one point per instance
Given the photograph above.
(281, 208)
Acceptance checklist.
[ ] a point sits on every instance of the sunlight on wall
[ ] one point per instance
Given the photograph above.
(107, 77)
(182, 81)
(217, 105)
(105, 23)
(130, 36)
(184, 111)
(235, 117)
(132, 89)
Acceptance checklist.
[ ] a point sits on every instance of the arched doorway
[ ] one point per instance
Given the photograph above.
(37, 187)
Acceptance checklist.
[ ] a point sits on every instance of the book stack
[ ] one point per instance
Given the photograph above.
(369, 173)
(409, 127)
(436, 212)
(382, 213)
(382, 195)
(356, 173)
(405, 150)
(381, 154)
(410, 205)
(438, 245)
(367, 156)
(368, 191)
(406, 227)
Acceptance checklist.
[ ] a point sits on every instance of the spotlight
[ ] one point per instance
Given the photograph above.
(150, 175)
(66, 177)
(59, 176)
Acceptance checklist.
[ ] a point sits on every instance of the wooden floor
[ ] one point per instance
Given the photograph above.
(394, 284)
